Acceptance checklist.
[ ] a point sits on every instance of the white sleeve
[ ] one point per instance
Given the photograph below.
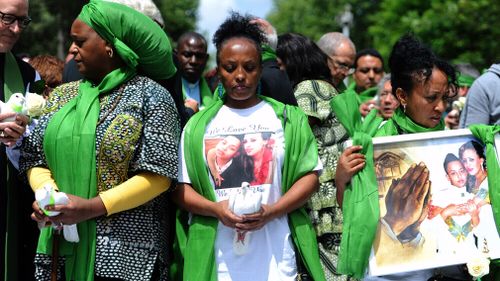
(183, 176)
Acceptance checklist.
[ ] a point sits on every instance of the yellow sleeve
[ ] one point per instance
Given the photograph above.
(134, 192)
(39, 177)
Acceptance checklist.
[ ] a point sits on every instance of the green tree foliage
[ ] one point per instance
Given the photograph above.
(460, 31)
(317, 17)
(457, 30)
(48, 33)
(179, 16)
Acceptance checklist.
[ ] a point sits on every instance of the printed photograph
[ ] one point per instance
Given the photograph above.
(240, 158)
(434, 205)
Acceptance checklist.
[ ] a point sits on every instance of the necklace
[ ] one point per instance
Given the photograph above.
(113, 106)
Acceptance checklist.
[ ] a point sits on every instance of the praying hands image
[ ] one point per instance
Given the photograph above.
(407, 203)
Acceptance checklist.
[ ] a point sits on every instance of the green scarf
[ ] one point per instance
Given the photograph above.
(69, 142)
(400, 123)
(13, 80)
(206, 95)
(196, 241)
(487, 135)
(360, 209)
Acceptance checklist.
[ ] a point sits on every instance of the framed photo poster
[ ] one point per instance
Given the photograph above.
(434, 202)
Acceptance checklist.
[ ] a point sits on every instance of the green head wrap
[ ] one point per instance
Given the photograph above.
(138, 40)
(465, 80)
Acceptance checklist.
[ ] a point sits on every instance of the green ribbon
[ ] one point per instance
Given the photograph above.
(195, 243)
(360, 207)
(13, 79)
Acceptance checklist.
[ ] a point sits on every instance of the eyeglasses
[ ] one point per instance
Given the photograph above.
(342, 66)
(9, 19)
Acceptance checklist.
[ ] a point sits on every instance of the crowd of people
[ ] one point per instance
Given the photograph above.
(240, 173)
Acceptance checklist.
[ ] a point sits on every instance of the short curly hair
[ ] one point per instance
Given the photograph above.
(411, 62)
(238, 25)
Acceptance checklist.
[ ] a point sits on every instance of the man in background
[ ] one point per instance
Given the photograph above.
(17, 231)
(341, 53)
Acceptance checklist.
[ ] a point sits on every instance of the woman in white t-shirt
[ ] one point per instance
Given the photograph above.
(223, 240)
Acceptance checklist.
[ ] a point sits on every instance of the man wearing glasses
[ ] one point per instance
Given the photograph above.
(341, 52)
(15, 198)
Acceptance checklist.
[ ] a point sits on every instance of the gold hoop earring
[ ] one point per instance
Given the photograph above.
(110, 53)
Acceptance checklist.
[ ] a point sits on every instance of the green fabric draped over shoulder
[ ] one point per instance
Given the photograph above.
(138, 40)
(360, 207)
(400, 124)
(70, 138)
(487, 135)
(364, 96)
(196, 241)
(13, 80)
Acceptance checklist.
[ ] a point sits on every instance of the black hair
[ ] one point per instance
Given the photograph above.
(238, 25)
(303, 59)
(411, 62)
(368, 52)
(450, 157)
(472, 145)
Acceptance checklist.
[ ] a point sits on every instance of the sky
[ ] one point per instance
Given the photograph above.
(211, 13)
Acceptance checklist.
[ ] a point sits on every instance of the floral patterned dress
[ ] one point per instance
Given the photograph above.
(313, 97)
(138, 130)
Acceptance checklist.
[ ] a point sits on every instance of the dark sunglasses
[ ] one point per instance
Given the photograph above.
(9, 19)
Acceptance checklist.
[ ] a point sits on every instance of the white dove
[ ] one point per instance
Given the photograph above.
(247, 202)
(16, 103)
(49, 196)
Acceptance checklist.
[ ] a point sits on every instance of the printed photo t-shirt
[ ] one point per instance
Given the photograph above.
(245, 147)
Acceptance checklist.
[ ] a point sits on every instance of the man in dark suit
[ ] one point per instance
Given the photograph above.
(15, 198)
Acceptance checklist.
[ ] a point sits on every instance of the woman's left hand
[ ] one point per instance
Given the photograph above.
(77, 210)
(258, 219)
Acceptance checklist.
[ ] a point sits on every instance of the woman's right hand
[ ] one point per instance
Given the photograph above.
(226, 216)
(350, 162)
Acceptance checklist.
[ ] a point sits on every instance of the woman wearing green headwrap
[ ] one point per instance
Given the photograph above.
(110, 143)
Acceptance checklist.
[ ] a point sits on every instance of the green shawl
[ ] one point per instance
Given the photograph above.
(69, 142)
(13, 80)
(196, 241)
(360, 208)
